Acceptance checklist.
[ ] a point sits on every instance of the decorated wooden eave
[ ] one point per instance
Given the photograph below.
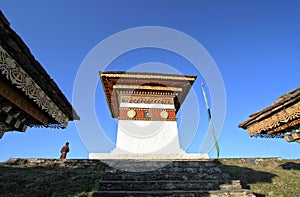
(28, 96)
(143, 84)
(281, 119)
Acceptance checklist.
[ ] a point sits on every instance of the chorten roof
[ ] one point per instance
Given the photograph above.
(144, 83)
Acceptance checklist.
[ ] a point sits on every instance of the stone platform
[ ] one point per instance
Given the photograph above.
(205, 177)
(168, 178)
(172, 157)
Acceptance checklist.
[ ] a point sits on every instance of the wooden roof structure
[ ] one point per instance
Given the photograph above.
(28, 95)
(281, 119)
(144, 83)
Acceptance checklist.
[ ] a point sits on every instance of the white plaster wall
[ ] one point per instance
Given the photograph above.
(145, 137)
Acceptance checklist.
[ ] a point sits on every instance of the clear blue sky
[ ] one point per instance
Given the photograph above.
(255, 44)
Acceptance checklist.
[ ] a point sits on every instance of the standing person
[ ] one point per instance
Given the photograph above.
(64, 150)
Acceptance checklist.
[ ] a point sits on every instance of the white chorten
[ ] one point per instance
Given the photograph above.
(146, 105)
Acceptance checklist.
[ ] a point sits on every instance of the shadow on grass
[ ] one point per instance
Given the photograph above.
(20, 179)
(290, 166)
(248, 176)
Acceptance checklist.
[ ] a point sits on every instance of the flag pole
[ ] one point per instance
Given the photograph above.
(211, 122)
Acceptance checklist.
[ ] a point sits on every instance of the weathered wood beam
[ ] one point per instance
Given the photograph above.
(15, 98)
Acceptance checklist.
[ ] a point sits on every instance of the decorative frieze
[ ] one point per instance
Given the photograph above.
(146, 99)
(18, 77)
(147, 87)
(147, 114)
(283, 119)
(141, 92)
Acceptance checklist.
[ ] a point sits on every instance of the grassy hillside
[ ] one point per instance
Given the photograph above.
(266, 177)
(38, 177)
(20, 177)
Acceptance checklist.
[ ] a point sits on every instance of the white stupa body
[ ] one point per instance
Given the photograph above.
(146, 105)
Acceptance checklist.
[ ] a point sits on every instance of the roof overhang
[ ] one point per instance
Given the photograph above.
(28, 95)
(281, 119)
(113, 82)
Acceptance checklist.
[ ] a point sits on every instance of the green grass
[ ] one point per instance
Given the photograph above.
(22, 179)
(270, 177)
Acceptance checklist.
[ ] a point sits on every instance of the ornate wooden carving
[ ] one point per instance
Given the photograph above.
(22, 103)
(18, 77)
(283, 119)
(146, 99)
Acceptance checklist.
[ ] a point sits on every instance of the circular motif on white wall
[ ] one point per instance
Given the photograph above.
(131, 113)
(164, 114)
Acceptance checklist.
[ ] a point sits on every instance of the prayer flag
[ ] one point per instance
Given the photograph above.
(211, 122)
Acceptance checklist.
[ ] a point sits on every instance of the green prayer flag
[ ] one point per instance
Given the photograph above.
(211, 122)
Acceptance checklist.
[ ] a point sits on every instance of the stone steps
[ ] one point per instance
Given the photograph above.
(161, 166)
(164, 176)
(167, 185)
(177, 193)
(168, 178)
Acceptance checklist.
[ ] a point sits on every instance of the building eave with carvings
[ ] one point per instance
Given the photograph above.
(281, 119)
(28, 95)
